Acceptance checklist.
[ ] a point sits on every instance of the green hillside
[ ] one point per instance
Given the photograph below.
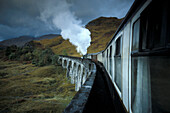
(59, 46)
(26, 88)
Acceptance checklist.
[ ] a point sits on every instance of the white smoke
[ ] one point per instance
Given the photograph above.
(58, 14)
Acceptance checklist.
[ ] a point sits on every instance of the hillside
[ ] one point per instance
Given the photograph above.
(19, 41)
(59, 46)
(48, 36)
(102, 30)
(26, 88)
(22, 40)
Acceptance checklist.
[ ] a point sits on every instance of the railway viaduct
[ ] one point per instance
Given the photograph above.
(95, 92)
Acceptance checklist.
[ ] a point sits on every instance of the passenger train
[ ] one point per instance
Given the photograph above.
(137, 59)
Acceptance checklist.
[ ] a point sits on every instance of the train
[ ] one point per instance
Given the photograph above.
(137, 59)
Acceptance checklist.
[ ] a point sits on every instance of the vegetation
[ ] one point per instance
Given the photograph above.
(31, 80)
(44, 57)
(59, 46)
(37, 55)
(27, 88)
(102, 30)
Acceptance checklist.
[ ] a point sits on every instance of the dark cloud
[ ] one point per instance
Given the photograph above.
(22, 17)
(90, 9)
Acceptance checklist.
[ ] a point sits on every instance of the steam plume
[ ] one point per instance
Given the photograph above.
(59, 15)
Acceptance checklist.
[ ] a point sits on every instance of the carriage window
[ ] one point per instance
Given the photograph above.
(153, 28)
(110, 58)
(149, 84)
(143, 30)
(134, 82)
(149, 71)
(168, 31)
(118, 46)
(135, 43)
(157, 26)
(103, 55)
(107, 58)
(110, 51)
(117, 57)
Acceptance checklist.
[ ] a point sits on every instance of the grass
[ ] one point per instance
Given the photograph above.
(27, 88)
(58, 45)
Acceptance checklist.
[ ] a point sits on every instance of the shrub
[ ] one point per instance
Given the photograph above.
(44, 57)
(12, 56)
(65, 52)
(55, 59)
(39, 57)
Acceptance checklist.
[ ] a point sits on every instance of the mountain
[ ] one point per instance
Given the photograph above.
(59, 46)
(49, 36)
(102, 30)
(22, 40)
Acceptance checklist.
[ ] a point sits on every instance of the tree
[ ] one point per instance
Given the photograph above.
(12, 56)
(55, 59)
(42, 58)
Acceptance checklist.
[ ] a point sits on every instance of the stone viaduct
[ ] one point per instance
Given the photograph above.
(78, 70)
(92, 85)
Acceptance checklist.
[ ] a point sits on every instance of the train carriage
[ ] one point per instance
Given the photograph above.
(137, 58)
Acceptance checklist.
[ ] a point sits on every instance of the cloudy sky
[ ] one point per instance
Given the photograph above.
(39, 17)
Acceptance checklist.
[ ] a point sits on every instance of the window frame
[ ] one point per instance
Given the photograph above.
(119, 89)
(120, 43)
(139, 42)
(110, 60)
(146, 16)
(154, 51)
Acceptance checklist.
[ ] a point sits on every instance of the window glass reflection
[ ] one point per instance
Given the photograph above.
(136, 35)
(118, 75)
(150, 84)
